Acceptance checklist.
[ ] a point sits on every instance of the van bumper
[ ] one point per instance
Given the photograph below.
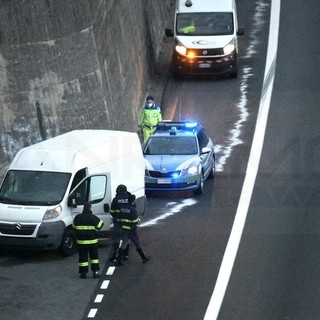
(49, 237)
(205, 65)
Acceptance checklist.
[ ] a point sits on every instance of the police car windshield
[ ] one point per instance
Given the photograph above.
(205, 23)
(172, 145)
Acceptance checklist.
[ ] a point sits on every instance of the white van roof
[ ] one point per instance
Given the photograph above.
(77, 149)
(205, 6)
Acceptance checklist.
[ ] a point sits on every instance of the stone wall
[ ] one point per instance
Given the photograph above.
(75, 64)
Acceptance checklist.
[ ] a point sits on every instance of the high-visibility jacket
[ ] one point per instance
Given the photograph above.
(188, 29)
(128, 219)
(120, 200)
(150, 116)
(86, 225)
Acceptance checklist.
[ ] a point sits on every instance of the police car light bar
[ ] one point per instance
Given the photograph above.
(167, 125)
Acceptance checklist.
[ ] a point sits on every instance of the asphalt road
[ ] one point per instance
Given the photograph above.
(275, 275)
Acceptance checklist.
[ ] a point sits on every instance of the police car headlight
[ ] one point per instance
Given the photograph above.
(181, 49)
(193, 170)
(229, 48)
(52, 213)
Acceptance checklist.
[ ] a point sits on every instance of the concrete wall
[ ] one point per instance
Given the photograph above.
(75, 64)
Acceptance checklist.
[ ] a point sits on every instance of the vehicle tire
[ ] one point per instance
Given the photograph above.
(68, 244)
(213, 170)
(234, 74)
(200, 187)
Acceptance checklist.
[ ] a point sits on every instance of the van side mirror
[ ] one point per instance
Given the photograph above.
(240, 32)
(72, 202)
(168, 33)
(106, 207)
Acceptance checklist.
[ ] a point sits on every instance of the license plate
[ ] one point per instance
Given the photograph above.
(164, 181)
(205, 65)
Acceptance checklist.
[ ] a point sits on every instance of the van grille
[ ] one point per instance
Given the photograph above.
(17, 229)
(207, 52)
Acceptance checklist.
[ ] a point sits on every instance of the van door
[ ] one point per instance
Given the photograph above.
(95, 189)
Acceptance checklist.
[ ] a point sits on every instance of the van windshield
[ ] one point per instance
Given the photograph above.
(205, 23)
(34, 187)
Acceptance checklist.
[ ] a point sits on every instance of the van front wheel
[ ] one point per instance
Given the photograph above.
(68, 243)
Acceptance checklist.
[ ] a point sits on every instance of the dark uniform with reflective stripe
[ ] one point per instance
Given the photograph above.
(120, 200)
(128, 221)
(85, 225)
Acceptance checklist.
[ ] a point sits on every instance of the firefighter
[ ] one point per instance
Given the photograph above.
(128, 221)
(120, 200)
(150, 116)
(86, 225)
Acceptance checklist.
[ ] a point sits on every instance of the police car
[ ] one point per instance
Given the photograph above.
(178, 156)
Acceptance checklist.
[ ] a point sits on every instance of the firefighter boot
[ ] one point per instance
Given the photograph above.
(126, 252)
(145, 259)
(119, 258)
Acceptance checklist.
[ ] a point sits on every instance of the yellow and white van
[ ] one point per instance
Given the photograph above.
(205, 37)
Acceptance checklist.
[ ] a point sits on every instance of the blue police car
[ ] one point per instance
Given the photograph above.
(178, 156)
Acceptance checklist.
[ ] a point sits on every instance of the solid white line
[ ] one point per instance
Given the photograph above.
(98, 298)
(92, 313)
(252, 169)
(105, 284)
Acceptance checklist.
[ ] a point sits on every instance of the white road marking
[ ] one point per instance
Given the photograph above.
(110, 271)
(252, 169)
(175, 208)
(92, 313)
(98, 298)
(105, 284)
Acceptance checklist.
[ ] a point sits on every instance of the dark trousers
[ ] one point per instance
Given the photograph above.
(92, 252)
(133, 236)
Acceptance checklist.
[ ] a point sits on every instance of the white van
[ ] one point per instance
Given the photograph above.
(205, 37)
(48, 182)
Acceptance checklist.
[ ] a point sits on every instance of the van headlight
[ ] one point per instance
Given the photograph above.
(52, 213)
(229, 48)
(181, 49)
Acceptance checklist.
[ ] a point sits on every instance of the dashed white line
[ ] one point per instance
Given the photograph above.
(98, 298)
(110, 271)
(92, 313)
(105, 284)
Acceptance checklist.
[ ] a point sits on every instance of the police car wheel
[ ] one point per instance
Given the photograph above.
(200, 187)
(212, 171)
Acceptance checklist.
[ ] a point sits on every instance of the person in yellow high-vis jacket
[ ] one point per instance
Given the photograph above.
(188, 29)
(150, 116)
(186, 25)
